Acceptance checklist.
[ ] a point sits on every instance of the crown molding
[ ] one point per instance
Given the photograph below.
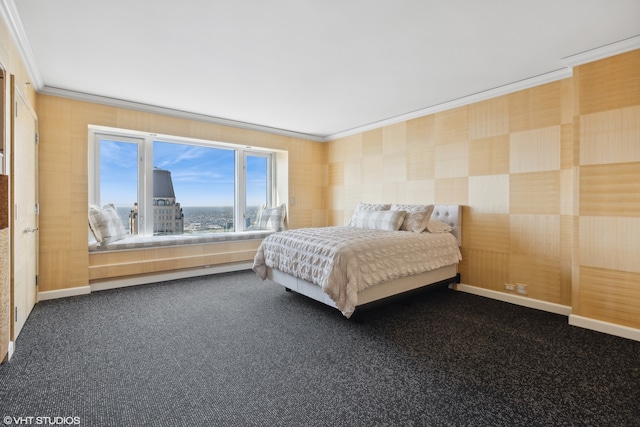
(622, 46)
(10, 15)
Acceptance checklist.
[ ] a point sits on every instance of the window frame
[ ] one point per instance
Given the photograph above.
(145, 141)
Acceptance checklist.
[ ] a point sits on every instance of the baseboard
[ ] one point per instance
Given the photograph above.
(173, 275)
(515, 299)
(63, 293)
(10, 351)
(605, 327)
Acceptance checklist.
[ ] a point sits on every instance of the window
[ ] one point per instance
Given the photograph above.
(168, 185)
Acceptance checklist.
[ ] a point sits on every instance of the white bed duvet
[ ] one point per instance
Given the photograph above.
(344, 260)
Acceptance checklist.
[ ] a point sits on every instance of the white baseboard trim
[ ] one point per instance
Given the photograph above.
(516, 299)
(63, 293)
(10, 351)
(605, 327)
(163, 277)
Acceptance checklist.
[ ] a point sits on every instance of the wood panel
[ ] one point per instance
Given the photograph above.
(610, 295)
(487, 232)
(371, 142)
(567, 238)
(566, 146)
(452, 160)
(489, 194)
(610, 242)
(610, 136)
(352, 148)
(452, 126)
(609, 84)
(541, 274)
(336, 174)
(394, 138)
(489, 118)
(535, 235)
(489, 270)
(535, 150)
(610, 190)
(420, 133)
(421, 164)
(452, 191)
(394, 167)
(352, 170)
(489, 156)
(535, 108)
(535, 193)
(372, 168)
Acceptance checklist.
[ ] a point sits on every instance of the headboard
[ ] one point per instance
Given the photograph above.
(452, 215)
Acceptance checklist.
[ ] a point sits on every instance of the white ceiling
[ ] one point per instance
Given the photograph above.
(314, 67)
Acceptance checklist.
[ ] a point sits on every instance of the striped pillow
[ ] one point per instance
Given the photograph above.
(106, 224)
(273, 218)
(368, 207)
(378, 220)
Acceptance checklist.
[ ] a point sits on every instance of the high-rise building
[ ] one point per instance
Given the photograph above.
(167, 214)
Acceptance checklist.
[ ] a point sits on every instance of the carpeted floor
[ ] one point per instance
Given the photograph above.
(231, 350)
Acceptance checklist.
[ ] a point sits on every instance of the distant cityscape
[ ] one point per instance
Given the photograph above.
(202, 219)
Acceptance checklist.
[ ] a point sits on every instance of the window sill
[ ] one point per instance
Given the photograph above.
(136, 242)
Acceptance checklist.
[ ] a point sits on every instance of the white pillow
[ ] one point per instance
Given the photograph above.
(368, 207)
(106, 224)
(435, 226)
(379, 220)
(273, 218)
(417, 216)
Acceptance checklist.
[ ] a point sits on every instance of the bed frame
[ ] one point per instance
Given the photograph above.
(450, 214)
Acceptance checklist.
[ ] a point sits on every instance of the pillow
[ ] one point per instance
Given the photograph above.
(379, 220)
(417, 216)
(273, 218)
(368, 207)
(106, 224)
(435, 226)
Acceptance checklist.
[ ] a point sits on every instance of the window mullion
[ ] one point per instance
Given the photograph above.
(146, 183)
(241, 185)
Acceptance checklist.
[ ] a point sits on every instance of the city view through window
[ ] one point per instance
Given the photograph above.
(194, 186)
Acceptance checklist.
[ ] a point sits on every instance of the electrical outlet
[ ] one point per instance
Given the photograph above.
(510, 287)
(521, 289)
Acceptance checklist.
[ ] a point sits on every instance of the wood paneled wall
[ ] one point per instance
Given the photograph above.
(550, 180)
(63, 180)
(607, 262)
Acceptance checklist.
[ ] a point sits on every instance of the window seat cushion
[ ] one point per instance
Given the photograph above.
(137, 242)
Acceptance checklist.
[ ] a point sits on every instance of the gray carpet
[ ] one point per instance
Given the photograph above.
(231, 350)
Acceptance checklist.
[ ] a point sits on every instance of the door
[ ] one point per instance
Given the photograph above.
(24, 219)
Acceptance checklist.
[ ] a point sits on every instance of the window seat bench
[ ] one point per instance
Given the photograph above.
(140, 257)
(138, 242)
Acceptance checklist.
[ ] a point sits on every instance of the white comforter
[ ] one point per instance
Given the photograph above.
(344, 260)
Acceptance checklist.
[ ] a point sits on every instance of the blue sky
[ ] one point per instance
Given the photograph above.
(202, 176)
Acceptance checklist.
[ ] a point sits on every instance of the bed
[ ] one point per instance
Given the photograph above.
(380, 254)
